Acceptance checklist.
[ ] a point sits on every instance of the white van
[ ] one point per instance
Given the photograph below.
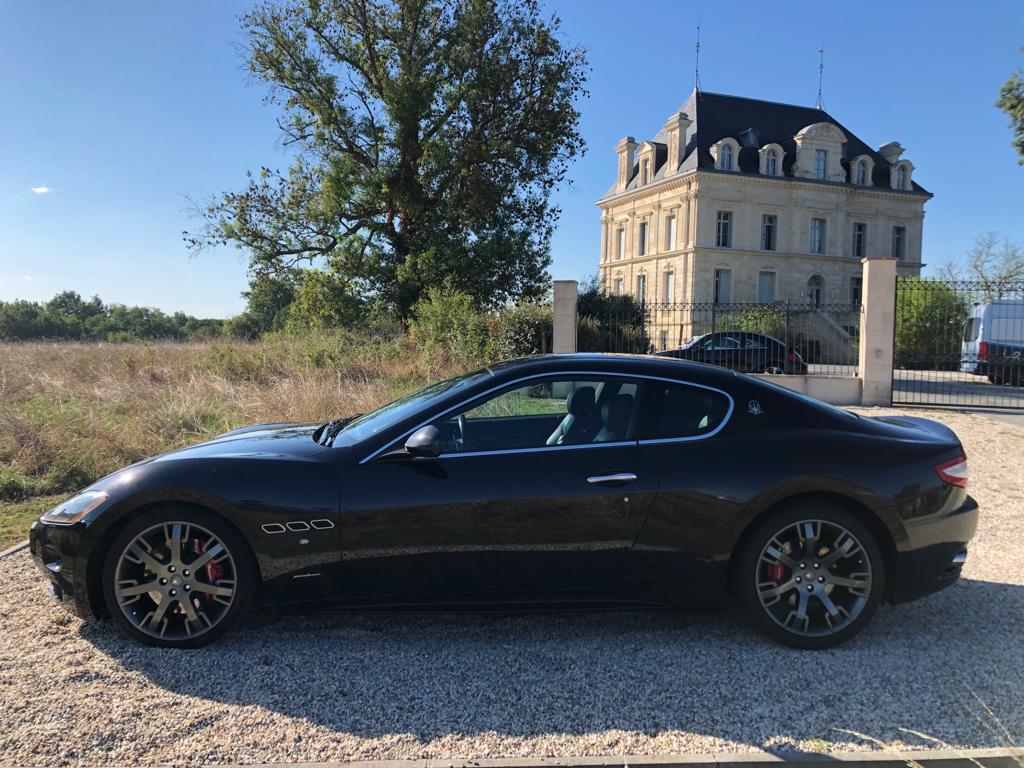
(993, 343)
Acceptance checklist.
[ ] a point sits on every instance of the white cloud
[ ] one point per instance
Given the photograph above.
(41, 190)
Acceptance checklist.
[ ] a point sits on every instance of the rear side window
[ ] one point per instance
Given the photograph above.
(972, 329)
(680, 410)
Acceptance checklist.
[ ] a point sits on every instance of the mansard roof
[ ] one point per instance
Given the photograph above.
(754, 123)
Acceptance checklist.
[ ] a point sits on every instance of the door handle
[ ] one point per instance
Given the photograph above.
(617, 478)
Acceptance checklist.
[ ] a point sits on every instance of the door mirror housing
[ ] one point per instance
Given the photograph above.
(425, 443)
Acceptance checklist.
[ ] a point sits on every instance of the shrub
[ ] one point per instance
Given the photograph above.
(930, 319)
(15, 486)
(610, 323)
(446, 322)
(766, 319)
(521, 330)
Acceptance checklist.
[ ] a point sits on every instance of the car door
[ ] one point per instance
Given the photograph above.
(511, 504)
(680, 430)
(724, 349)
(759, 354)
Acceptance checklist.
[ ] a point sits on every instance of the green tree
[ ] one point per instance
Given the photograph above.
(428, 137)
(268, 300)
(68, 316)
(1011, 101)
(930, 319)
(324, 300)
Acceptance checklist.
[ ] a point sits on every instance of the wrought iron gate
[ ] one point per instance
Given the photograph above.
(959, 343)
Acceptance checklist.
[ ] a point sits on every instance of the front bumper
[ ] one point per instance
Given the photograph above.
(56, 552)
(936, 555)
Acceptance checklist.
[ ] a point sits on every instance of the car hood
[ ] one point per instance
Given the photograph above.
(269, 441)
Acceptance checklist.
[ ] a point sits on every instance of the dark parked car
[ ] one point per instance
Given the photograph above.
(743, 351)
(555, 479)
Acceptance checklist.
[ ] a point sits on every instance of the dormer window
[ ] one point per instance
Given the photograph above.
(861, 168)
(726, 153)
(771, 159)
(645, 171)
(900, 175)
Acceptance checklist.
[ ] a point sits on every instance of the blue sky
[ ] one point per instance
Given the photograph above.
(122, 110)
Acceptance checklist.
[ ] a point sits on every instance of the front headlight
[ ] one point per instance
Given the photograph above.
(75, 508)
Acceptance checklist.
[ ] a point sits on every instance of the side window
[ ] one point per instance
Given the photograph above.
(680, 411)
(721, 341)
(972, 330)
(549, 412)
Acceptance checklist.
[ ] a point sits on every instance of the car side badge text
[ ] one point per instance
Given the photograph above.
(754, 408)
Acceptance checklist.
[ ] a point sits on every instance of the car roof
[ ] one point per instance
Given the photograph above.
(612, 362)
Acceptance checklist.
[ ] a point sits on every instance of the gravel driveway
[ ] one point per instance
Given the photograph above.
(338, 687)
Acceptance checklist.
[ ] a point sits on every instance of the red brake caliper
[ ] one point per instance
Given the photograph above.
(776, 572)
(212, 570)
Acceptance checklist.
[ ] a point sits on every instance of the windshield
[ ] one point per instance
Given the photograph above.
(391, 414)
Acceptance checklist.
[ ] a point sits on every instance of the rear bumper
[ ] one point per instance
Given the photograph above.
(55, 551)
(937, 553)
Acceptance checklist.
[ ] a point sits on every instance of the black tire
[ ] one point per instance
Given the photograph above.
(1008, 377)
(749, 583)
(238, 556)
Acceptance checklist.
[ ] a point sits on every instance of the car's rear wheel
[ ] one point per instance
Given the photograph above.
(774, 370)
(1009, 377)
(178, 577)
(810, 576)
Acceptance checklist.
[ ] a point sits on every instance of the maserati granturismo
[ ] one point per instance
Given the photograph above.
(550, 481)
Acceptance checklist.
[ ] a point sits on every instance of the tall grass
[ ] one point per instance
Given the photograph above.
(73, 412)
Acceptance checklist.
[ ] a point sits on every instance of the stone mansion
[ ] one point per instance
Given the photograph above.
(742, 200)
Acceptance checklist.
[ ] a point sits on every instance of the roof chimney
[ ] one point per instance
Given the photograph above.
(891, 151)
(626, 150)
(676, 129)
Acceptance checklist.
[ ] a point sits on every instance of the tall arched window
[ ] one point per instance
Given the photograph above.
(901, 177)
(862, 173)
(726, 157)
(771, 163)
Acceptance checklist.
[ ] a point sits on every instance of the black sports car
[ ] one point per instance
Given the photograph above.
(743, 351)
(566, 478)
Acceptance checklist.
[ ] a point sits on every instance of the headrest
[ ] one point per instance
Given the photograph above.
(685, 408)
(581, 401)
(616, 412)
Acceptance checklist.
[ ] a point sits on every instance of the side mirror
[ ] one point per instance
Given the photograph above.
(425, 442)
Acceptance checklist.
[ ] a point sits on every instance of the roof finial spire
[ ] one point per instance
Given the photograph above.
(696, 66)
(821, 72)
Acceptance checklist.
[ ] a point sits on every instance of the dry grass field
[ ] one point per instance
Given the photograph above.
(71, 413)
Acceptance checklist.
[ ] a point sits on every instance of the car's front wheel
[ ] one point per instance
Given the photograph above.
(810, 576)
(178, 577)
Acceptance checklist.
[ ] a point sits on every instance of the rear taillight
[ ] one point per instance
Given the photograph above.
(983, 350)
(953, 471)
(793, 357)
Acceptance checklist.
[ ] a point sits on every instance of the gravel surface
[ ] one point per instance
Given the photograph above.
(341, 687)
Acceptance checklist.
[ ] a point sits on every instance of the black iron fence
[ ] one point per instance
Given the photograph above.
(959, 343)
(777, 337)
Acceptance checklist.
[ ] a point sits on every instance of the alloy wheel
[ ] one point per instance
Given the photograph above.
(813, 578)
(175, 581)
